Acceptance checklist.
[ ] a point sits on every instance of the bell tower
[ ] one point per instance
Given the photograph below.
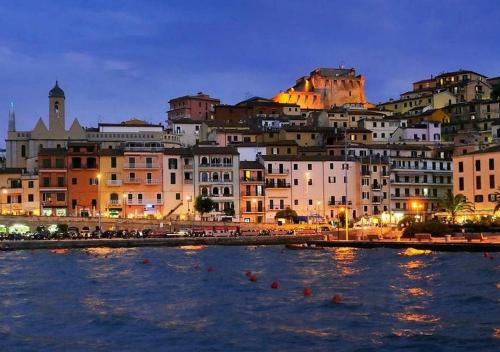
(56, 109)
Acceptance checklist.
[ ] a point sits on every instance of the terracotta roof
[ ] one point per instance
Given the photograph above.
(215, 150)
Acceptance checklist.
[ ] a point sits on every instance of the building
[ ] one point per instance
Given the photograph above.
(324, 88)
(252, 185)
(254, 108)
(198, 107)
(217, 176)
(83, 178)
(316, 187)
(112, 187)
(53, 181)
(476, 176)
(188, 131)
(22, 146)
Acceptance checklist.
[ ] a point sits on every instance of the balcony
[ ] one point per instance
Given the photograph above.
(138, 201)
(410, 196)
(216, 165)
(278, 172)
(187, 181)
(277, 185)
(132, 180)
(152, 181)
(141, 166)
(212, 180)
(277, 207)
(376, 187)
(114, 202)
(338, 203)
(112, 183)
(252, 179)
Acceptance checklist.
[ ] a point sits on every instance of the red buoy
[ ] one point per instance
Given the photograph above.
(146, 261)
(253, 278)
(248, 274)
(274, 285)
(307, 291)
(336, 299)
(210, 269)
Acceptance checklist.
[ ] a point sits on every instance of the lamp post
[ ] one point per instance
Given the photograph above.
(99, 198)
(124, 196)
(417, 206)
(189, 199)
(307, 196)
(4, 192)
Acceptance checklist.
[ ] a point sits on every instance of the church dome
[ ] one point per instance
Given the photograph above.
(56, 92)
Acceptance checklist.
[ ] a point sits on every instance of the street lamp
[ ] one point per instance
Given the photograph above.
(417, 206)
(99, 199)
(124, 196)
(189, 199)
(4, 192)
(307, 174)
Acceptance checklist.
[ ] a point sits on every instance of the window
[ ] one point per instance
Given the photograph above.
(491, 164)
(478, 165)
(478, 198)
(61, 197)
(113, 162)
(172, 178)
(177, 196)
(295, 166)
(295, 182)
(309, 167)
(60, 182)
(492, 181)
(31, 198)
(460, 166)
(478, 182)
(310, 182)
(331, 166)
(23, 151)
(73, 181)
(172, 164)
(31, 184)
(60, 163)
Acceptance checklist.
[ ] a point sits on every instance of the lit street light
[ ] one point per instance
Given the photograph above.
(99, 198)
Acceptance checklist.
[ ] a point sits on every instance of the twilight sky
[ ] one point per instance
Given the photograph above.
(122, 59)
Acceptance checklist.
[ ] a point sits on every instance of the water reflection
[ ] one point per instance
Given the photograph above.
(344, 257)
(416, 317)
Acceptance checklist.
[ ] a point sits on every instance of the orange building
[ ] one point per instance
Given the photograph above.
(52, 177)
(252, 191)
(83, 174)
(142, 171)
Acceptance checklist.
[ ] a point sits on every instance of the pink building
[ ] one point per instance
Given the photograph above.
(197, 107)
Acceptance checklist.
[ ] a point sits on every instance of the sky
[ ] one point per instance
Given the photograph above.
(121, 59)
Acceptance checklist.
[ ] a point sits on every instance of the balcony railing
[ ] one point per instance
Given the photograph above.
(114, 202)
(278, 172)
(132, 180)
(339, 203)
(137, 201)
(278, 207)
(252, 179)
(212, 180)
(277, 185)
(144, 149)
(376, 187)
(152, 181)
(141, 166)
(217, 165)
(114, 182)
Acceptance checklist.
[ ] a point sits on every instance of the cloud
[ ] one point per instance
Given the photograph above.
(93, 62)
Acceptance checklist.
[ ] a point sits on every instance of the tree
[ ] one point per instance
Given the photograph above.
(203, 205)
(287, 214)
(495, 91)
(454, 204)
(229, 211)
(497, 197)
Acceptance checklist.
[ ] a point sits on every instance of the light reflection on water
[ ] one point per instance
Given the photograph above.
(109, 299)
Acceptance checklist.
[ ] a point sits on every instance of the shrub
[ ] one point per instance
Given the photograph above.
(435, 228)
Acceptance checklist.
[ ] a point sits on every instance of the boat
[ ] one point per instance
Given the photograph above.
(303, 246)
(192, 247)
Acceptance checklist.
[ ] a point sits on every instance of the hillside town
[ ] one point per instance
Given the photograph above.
(317, 152)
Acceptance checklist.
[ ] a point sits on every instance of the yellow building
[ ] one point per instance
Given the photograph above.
(112, 192)
(477, 176)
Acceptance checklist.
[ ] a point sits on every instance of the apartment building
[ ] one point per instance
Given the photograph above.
(178, 183)
(53, 181)
(217, 176)
(142, 170)
(252, 192)
(83, 178)
(476, 176)
(314, 186)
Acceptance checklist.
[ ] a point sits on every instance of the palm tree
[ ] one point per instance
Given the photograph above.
(454, 204)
